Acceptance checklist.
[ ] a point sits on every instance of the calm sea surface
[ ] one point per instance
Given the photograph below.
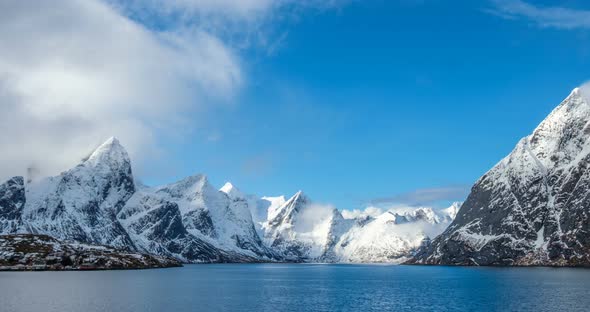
(299, 287)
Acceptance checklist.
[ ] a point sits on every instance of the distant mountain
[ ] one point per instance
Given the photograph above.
(99, 202)
(302, 231)
(533, 207)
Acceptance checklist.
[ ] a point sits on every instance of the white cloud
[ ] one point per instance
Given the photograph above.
(556, 17)
(358, 213)
(585, 90)
(242, 8)
(313, 226)
(75, 72)
(313, 217)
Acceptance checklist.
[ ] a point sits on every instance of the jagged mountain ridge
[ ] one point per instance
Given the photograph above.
(99, 202)
(303, 231)
(533, 207)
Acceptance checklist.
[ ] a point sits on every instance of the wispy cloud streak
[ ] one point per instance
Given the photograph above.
(546, 16)
(426, 196)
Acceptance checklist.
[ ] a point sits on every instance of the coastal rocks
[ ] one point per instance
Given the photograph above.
(28, 252)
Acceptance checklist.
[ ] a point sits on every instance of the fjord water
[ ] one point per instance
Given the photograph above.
(299, 287)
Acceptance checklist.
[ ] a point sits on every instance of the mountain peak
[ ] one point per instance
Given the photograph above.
(581, 93)
(112, 140)
(231, 191)
(288, 209)
(110, 153)
(190, 184)
(227, 187)
(299, 199)
(559, 136)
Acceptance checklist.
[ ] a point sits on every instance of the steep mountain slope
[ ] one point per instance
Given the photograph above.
(12, 202)
(213, 215)
(155, 226)
(533, 207)
(81, 204)
(98, 202)
(298, 230)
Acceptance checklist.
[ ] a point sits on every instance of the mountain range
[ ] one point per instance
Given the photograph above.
(532, 208)
(100, 202)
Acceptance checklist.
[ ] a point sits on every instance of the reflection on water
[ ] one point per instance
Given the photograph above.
(299, 287)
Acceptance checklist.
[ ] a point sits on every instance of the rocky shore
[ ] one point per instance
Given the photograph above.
(29, 252)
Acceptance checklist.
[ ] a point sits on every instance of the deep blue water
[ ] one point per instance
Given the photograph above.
(300, 287)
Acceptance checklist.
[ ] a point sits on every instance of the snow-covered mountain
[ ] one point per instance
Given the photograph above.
(99, 202)
(393, 236)
(303, 231)
(12, 203)
(533, 207)
(81, 204)
(298, 230)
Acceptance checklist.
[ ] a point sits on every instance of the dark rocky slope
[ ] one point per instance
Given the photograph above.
(532, 208)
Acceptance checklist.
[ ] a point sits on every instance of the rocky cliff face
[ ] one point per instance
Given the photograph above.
(532, 208)
(12, 203)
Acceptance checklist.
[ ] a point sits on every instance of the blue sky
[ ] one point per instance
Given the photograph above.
(382, 98)
(352, 102)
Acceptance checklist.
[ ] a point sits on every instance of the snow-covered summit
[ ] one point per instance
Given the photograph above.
(232, 191)
(80, 203)
(285, 212)
(110, 153)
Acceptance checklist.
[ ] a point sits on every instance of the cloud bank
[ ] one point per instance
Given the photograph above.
(75, 72)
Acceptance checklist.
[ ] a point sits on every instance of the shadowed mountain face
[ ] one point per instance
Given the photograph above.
(532, 208)
(12, 202)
